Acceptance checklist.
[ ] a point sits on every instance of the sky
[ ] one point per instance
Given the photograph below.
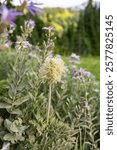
(58, 3)
(62, 3)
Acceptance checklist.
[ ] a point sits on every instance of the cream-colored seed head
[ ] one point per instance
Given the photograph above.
(52, 70)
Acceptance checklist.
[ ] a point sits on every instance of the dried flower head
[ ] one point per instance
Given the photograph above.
(52, 70)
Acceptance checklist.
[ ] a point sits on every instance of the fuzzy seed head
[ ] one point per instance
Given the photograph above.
(52, 70)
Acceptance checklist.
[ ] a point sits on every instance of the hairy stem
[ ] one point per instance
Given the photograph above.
(49, 102)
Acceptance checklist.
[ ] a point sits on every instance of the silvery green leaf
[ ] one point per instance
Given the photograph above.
(10, 91)
(7, 124)
(17, 127)
(16, 111)
(6, 146)
(13, 138)
(58, 95)
(5, 99)
(20, 101)
(4, 105)
(88, 143)
(14, 127)
(9, 137)
(64, 97)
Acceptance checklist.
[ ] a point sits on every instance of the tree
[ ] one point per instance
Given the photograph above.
(89, 30)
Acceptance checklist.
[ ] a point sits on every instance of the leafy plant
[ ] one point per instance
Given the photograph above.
(47, 104)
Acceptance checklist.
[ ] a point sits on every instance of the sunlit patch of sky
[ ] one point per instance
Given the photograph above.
(58, 3)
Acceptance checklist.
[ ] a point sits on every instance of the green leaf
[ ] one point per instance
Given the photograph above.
(20, 101)
(4, 105)
(88, 143)
(8, 124)
(13, 138)
(17, 126)
(15, 111)
(9, 137)
(58, 95)
(5, 99)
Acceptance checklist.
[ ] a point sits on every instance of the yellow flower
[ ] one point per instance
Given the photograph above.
(52, 70)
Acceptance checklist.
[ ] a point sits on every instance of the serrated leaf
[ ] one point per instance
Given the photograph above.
(4, 105)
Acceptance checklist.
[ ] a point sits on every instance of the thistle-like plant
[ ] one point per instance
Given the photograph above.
(51, 71)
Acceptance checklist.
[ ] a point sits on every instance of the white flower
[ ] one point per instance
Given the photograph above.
(23, 44)
(74, 59)
(52, 70)
(48, 28)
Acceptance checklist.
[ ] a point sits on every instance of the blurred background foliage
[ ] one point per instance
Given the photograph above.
(77, 30)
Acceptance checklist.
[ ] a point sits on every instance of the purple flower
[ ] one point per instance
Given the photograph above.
(33, 8)
(8, 15)
(81, 74)
(8, 43)
(30, 24)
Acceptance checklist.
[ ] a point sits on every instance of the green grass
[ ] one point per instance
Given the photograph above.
(92, 64)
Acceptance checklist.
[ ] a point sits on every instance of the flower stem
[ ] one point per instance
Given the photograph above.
(49, 102)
